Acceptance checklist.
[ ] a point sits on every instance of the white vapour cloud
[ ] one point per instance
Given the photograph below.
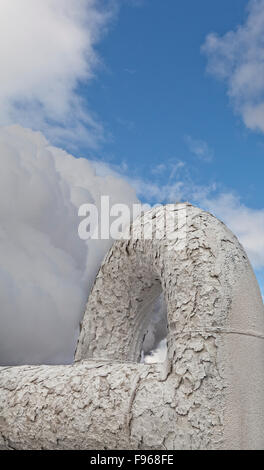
(238, 58)
(200, 148)
(46, 49)
(45, 269)
(154, 348)
(247, 223)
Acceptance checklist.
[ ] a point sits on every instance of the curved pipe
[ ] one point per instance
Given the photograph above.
(208, 394)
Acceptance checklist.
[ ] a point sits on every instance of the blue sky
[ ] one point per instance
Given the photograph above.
(167, 118)
(154, 91)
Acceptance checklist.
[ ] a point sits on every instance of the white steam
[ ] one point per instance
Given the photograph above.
(45, 269)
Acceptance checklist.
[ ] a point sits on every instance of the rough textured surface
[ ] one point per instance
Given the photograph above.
(209, 392)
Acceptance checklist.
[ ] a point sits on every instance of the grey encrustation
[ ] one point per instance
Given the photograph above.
(208, 394)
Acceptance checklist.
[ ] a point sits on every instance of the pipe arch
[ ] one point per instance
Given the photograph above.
(208, 394)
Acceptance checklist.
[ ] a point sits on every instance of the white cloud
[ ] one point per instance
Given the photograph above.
(238, 58)
(159, 169)
(46, 49)
(158, 193)
(200, 148)
(45, 269)
(245, 222)
(180, 189)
